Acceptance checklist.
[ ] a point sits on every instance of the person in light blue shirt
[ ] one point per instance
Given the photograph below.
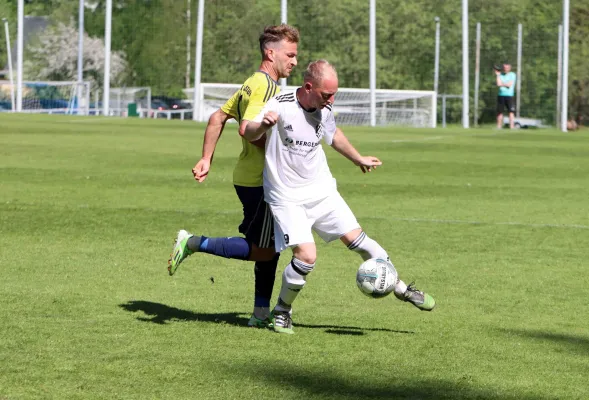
(506, 83)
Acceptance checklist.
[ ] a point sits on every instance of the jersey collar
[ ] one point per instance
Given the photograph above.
(268, 75)
(310, 110)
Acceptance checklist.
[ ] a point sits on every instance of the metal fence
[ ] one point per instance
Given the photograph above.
(155, 44)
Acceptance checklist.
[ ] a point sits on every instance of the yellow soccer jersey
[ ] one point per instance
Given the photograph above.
(246, 104)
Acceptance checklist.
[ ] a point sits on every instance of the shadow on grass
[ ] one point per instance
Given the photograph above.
(329, 384)
(160, 314)
(344, 332)
(576, 344)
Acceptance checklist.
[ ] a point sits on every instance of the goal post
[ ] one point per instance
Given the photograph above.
(49, 97)
(212, 97)
(415, 108)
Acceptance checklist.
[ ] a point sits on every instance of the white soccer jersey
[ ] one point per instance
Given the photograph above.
(296, 169)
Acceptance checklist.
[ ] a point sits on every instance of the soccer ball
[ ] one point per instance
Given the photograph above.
(376, 278)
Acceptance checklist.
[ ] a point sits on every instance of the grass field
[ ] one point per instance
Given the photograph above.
(494, 224)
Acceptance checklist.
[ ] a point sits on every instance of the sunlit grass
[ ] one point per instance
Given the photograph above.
(494, 224)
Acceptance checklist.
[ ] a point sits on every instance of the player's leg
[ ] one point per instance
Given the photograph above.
(264, 277)
(292, 229)
(228, 247)
(511, 107)
(258, 228)
(499, 112)
(187, 244)
(339, 221)
(335, 220)
(294, 278)
(367, 248)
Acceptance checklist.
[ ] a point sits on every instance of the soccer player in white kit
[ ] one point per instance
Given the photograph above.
(301, 191)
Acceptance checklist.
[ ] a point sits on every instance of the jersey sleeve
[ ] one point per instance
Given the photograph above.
(272, 105)
(230, 106)
(329, 126)
(261, 93)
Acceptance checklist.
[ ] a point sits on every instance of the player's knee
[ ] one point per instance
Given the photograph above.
(308, 255)
(300, 267)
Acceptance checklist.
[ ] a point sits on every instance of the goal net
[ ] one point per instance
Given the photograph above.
(47, 97)
(414, 108)
(212, 97)
(393, 107)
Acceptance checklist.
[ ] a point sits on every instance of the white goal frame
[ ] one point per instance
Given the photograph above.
(352, 105)
(77, 95)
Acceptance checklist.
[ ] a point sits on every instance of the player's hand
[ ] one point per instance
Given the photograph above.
(201, 170)
(270, 119)
(368, 163)
(497, 72)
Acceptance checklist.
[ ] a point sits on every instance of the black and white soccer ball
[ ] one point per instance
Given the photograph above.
(376, 278)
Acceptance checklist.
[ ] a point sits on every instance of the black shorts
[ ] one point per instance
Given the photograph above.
(257, 224)
(505, 102)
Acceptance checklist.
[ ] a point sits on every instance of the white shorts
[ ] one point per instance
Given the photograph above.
(294, 224)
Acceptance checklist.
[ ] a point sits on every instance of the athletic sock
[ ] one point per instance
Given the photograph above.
(294, 278)
(228, 247)
(367, 248)
(265, 275)
(400, 288)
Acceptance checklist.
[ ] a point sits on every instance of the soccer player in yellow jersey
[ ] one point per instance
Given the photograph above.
(278, 45)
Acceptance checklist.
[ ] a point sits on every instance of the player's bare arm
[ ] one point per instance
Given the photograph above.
(498, 78)
(255, 130)
(213, 132)
(261, 142)
(500, 83)
(343, 146)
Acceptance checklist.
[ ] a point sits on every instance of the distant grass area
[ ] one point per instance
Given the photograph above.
(494, 224)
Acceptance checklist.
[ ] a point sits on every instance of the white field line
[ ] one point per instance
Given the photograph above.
(426, 220)
(91, 120)
(428, 138)
(232, 212)
(420, 139)
(508, 223)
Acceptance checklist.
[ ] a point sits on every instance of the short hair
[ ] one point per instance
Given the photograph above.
(276, 33)
(316, 70)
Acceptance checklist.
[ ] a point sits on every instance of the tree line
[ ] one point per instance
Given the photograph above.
(153, 36)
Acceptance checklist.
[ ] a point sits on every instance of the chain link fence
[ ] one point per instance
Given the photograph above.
(154, 45)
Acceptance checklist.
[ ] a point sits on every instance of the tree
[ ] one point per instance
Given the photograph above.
(579, 69)
(152, 35)
(54, 56)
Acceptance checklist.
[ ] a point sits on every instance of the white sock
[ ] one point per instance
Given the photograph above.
(294, 278)
(367, 248)
(400, 288)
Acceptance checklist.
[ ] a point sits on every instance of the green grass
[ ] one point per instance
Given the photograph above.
(494, 224)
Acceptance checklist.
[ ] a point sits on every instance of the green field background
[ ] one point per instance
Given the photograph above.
(493, 224)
